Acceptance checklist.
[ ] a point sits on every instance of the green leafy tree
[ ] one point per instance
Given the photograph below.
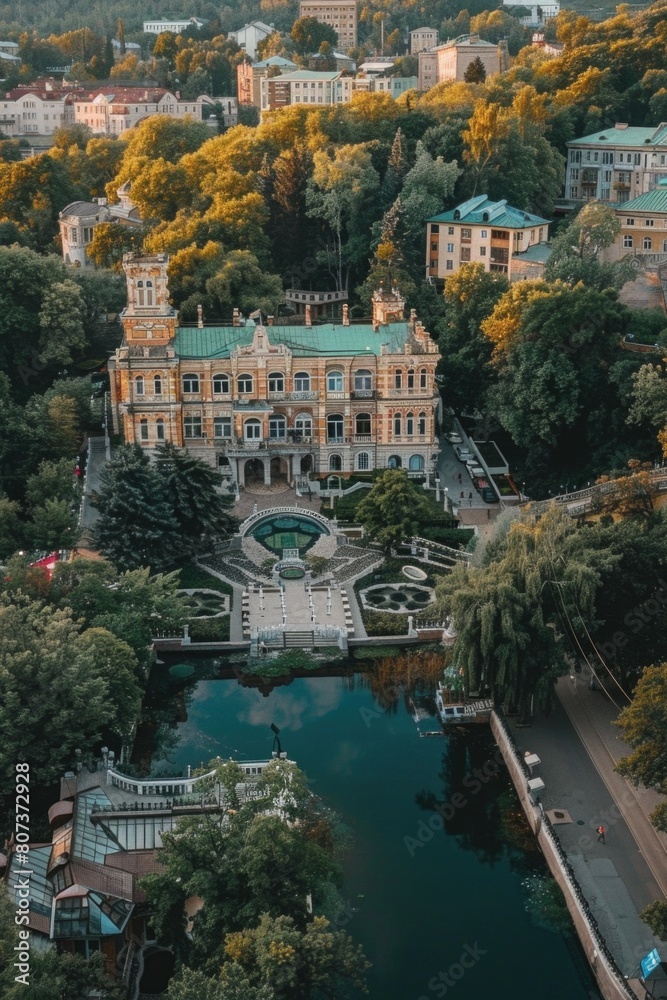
(32, 193)
(54, 525)
(392, 509)
(136, 525)
(191, 486)
(577, 251)
(66, 976)
(11, 526)
(61, 320)
(644, 726)
(655, 916)
(308, 34)
(427, 189)
(52, 481)
(475, 72)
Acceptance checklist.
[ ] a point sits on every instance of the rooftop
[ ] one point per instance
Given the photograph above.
(81, 209)
(626, 135)
(652, 201)
(327, 340)
(467, 40)
(273, 61)
(309, 74)
(538, 253)
(480, 210)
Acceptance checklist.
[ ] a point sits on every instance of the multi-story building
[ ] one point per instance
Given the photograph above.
(643, 227)
(79, 219)
(249, 77)
(37, 109)
(250, 35)
(454, 57)
(481, 231)
(422, 39)
(617, 164)
(275, 402)
(539, 14)
(428, 70)
(160, 25)
(305, 86)
(341, 15)
(113, 110)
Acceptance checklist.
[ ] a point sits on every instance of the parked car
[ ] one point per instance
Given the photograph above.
(476, 472)
(463, 454)
(453, 437)
(487, 493)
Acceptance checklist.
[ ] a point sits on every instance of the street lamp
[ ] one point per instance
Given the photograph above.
(446, 499)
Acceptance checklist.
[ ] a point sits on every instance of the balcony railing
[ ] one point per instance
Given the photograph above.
(296, 396)
(336, 395)
(335, 440)
(363, 438)
(363, 394)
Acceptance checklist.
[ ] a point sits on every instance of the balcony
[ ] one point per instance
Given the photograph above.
(295, 397)
(363, 438)
(363, 394)
(427, 393)
(335, 440)
(336, 395)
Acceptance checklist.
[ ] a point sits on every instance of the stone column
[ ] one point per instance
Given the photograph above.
(240, 471)
(267, 470)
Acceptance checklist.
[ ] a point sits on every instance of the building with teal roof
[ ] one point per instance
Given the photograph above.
(273, 403)
(643, 232)
(616, 165)
(481, 231)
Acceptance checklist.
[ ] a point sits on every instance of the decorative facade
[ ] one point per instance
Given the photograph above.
(617, 164)
(273, 402)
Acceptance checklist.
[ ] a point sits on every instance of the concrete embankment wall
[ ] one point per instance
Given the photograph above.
(611, 981)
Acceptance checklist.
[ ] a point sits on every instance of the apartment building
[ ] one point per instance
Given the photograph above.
(113, 110)
(305, 87)
(422, 39)
(341, 15)
(481, 231)
(250, 35)
(272, 402)
(455, 57)
(161, 25)
(617, 164)
(249, 77)
(37, 109)
(643, 223)
(428, 70)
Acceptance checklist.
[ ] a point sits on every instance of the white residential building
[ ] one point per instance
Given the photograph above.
(176, 27)
(34, 110)
(428, 69)
(79, 219)
(250, 36)
(422, 39)
(114, 110)
(617, 164)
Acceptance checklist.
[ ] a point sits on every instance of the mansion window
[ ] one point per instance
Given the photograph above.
(628, 242)
(398, 378)
(159, 429)
(421, 424)
(144, 293)
(397, 424)
(192, 425)
(303, 425)
(416, 463)
(220, 384)
(410, 424)
(252, 430)
(394, 462)
(466, 234)
(139, 386)
(244, 383)
(302, 382)
(143, 430)
(222, 427)
(363, 380)
(277, 428)
(335, 381)
(411, 378)
(276, 382)
(157, 385)
(363, 461)
(362, 423)
(191, 382)
(335, 463)
(465, 253)
(335, 428)
(647, 243)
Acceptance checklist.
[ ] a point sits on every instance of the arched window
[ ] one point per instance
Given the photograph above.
(303, 425)
(647, 243)
(140, 293)
(410, 424)
(276, 382)
(394, 462)
(416, 463)
(423, 379)
(139, 386)
(363, 461)
(252, 430)
(398, 378)
(397, 425)
(334, 381)
(411, 378)
(220, 384)
(335, 428)
(277, 428)
(421, 425)
(335, 463)
(362, 423)
(191, 382)
(143, 430)
(302, 382)
(244, 383)
(157, 385)
(159, 429)
(149, 293)
(363, 380)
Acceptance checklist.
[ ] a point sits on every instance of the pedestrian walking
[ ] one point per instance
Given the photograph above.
(460, 478)
(470, 498)
(601, 832)
(462, 495)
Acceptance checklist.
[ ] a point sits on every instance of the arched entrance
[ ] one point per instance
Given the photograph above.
(279, 470)
(306, 464)
(254, 471)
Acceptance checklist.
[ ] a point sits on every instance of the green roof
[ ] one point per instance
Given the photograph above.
(309, 74)
(538, 253)
(634, 135)
(327, 340)
(652, 201)
(480, 211)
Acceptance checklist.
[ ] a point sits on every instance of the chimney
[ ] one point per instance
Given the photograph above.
(200, 317)
(236, 317)
(269, 320)
(309, 321)
(346, 314)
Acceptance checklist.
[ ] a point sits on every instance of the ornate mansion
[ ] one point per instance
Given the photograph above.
(276, 401)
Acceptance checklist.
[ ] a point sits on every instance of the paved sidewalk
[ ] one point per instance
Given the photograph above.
(622, 876)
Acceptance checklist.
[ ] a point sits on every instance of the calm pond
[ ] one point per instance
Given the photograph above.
(415, 907)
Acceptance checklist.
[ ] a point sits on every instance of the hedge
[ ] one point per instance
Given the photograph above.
(456, 538)
(211, 630)
(381, 623)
